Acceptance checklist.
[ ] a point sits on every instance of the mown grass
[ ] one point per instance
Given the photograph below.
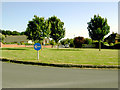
(69, 55)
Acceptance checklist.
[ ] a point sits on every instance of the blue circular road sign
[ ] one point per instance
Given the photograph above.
(37, 46)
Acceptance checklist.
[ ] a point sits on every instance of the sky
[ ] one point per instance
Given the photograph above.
(75, 15)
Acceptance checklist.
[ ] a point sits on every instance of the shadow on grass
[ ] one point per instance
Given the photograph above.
(66, 49)
(12, 49)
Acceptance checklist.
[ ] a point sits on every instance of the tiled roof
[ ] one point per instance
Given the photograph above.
(16, 38)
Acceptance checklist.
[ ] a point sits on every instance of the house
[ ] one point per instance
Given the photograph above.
(16, 39)
(22, 39)
(113, 38)
(46, 41)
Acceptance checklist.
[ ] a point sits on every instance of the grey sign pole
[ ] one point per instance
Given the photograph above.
(37, 46)
(38, 55)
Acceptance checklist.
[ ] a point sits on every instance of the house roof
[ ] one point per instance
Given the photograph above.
(15, 38)
(113, 36)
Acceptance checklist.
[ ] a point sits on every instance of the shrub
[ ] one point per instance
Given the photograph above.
(28, 44)
(22, 43)
(47, 44)
(88, 41)
(106, 43)
(52, 42)
(111, 44)
(117, 46)
(78, 41)
(71, 41)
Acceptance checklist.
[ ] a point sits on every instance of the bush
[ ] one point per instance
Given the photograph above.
(47, 44)
(97, 44)
(22, 43)
(52, 42)
(67, 42)
(10, 43)
(88, 41)
(71, 41)
(78, 41)
(28, 44)
(106, 43)
(111, 44)
(18, 43)
(117, 46)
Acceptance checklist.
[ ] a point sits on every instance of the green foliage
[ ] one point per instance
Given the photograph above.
(98, 28)
(37, 29)
(78, 41)
(71, 42)
(52, 42)
(106, 43)
(22, 33)
(57, 30)
(88, 41)
(111, 44)
(64, 41)
(28, 44)
(47, 44)
(2, 37)
(67, 41)
(8, 32)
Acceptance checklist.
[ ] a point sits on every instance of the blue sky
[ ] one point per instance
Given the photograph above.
(75, 15)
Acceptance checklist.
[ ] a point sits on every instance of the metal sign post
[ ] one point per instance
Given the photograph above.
(37, 46)
(38, 55)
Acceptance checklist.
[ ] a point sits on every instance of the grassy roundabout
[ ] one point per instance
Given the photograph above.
(64, 55)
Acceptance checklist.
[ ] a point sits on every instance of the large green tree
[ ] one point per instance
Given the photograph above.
(98, 28)
(57, 28)
(38, 28)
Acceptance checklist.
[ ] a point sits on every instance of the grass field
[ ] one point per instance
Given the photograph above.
(71, 56)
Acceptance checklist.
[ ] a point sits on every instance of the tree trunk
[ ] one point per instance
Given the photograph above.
(57, 46)
(52, 46)
(99, 45)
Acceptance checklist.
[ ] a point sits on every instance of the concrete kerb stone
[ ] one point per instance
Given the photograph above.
(60, 65)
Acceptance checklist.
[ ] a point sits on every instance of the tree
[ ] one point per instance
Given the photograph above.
(15, 33)
(98, 28)
(56, 28)
(3, 32)
(8, 32)
(52, 42)
(22, 33)
(2, 37)
(37, 29)
(64, 41)
(78, 41)
(88, 41)
(71, 41)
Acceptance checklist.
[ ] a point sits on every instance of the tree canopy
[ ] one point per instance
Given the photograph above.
(98, 28)
(38, 29)
(57, 29)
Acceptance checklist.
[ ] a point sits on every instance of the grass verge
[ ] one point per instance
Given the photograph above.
(63, 56)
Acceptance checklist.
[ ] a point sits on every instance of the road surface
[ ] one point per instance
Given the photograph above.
(28, 76)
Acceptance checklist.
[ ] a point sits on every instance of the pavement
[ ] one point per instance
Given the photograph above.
(29, 76)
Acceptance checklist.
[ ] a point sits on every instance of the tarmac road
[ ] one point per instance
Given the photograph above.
(28, 76)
